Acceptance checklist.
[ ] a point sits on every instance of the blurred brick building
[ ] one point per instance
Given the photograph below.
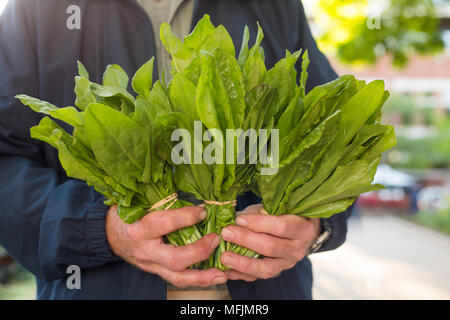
(427, 79)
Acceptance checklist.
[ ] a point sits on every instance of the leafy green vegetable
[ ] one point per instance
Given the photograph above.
(306, 154)
(210, 85)
(112, 147)
(329, 154)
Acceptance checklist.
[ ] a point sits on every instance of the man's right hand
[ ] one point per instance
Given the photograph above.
(142, 245)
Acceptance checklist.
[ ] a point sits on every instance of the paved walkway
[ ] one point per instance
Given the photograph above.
(385, 258)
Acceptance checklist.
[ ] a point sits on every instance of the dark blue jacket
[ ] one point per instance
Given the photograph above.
(49, 221)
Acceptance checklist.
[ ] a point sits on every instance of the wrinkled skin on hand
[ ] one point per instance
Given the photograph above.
(142, 245)
(282, 240)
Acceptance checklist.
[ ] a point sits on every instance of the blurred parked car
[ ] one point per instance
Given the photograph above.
(393, 197)
(399, 192)
(432, 198)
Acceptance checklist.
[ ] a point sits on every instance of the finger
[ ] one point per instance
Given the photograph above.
(160, 223)
(254, 208)
(179, 258)
(236, 275)
(187, 278)
(266, 268)
(285, 226)
(262, 243)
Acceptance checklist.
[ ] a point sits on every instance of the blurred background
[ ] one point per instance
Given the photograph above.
(398, 243)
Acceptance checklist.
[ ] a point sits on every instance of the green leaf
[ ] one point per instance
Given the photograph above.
(115, 97)
(243, 54)
(346, 182)
(232, 78)
(220, 39)
(120, 144)
(183, 95)
(283, 77)
(200, 34)
(131, 214)
(304, 74)
(76, 159)
(170, 41)
(144, 114)
(36, 104)
(185, 180)
(291, 115)
(194, 70)
(181, 55)
(69, 114)
(159, 99)
(115, 76)
(143, 79)
(371, 141)
(254, 71)
(204, 37)
(385, 142)
(82, 72)
(261, 102)
(213, 104)
(84, 95)
(329, 209)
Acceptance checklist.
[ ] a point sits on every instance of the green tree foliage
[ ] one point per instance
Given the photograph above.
(360, 35)
(428, 152)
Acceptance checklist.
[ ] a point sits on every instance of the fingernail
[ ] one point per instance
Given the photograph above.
(227, 233)
(202, 215)
(219, 280)
(241, 221)
(215, 242)
(228, 261)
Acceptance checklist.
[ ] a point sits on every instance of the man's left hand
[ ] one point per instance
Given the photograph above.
(282, 240)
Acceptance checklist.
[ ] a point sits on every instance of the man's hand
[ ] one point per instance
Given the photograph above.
(283, 240)
(142, 245)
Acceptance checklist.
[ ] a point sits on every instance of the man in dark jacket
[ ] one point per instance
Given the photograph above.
(49, 222)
